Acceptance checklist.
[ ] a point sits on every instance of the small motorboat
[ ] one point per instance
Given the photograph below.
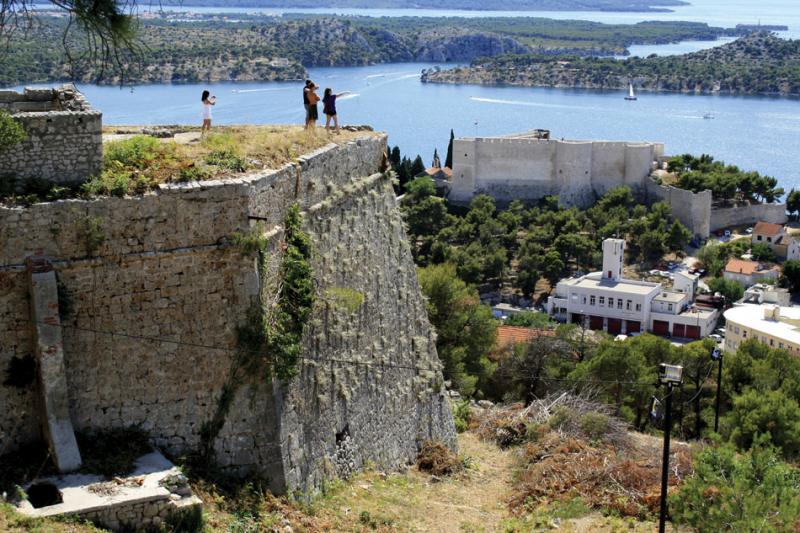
(708, 116)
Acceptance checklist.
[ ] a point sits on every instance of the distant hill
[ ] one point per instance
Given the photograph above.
(178, 48)
(478, 5)
(760, 63)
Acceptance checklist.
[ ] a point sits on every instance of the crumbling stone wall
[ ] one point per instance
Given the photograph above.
(162, 266)
(64, 141)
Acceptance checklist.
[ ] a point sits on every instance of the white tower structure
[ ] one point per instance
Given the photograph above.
(613, 259)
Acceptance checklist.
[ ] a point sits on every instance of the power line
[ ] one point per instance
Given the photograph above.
(229, 350)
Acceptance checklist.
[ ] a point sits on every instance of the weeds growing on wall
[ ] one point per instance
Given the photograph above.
(11, 131)
(270, 343)
(91, 228)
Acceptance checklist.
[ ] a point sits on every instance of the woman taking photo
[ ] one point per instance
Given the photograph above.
(208, 101)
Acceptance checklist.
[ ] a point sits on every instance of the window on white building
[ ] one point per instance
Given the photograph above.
(780, 345)
(591, 300)
(736, 330)
(638, 307)
(772, 342)
(744, 333)
(611, 302)
(602, 300)
(669, 307)
(619, 303)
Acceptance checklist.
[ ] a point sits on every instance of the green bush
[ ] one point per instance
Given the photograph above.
(228, 159)
(594, 425)
(11, 131)
(138, 152)
(462, 416)
(755, 491)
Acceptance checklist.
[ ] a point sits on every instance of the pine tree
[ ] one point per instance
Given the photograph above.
(448, 161)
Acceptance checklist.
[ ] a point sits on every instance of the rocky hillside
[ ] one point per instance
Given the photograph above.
(760, 63)
(181, 48)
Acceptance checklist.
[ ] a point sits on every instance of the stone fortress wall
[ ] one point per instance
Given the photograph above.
(521, 167)
(527, 169)
(63, 131)
(162, 266)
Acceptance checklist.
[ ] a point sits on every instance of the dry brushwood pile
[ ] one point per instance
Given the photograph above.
(573, 447)
(436, 459)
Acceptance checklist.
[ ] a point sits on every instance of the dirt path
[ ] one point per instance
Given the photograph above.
(472, 501)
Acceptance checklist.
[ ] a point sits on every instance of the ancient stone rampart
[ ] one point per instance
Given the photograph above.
(527, 169)
(692, 209)
(748, 214)
(63, 135)
(153, 292)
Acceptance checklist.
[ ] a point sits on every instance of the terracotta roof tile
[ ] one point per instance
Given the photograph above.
(740, 266)
(511, 335)
(767, 228)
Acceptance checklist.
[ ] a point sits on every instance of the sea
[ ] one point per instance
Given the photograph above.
(759, 133)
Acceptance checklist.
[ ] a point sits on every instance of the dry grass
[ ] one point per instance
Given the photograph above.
(138, 160)
(267, 146)
(13, 522)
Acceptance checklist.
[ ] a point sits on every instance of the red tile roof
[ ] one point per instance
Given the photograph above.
(509, 336)
(767, 228)
(740, 266)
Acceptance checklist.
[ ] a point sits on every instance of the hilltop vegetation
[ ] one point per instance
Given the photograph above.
(760, 63)
(513, 5)
(219, 47)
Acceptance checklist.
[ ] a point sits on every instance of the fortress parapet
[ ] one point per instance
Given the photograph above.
(63, 135)
(528, 167)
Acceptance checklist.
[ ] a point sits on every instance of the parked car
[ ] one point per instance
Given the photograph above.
(715, 337)
(727, 233)
(749, 231)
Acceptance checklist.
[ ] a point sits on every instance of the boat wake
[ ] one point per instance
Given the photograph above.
(241, 91)
(349, 96)
(526, 104)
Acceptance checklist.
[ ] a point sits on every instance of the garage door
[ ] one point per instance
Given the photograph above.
(633, 327)
(693, 332)
(678, 330)
(614, 326)
(596, 323)
(660, 327)
(577, 319)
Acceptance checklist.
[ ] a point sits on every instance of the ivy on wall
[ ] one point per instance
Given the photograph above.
(271, 342)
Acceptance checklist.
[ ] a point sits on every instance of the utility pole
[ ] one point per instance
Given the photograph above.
(671, 376)
(716, 355)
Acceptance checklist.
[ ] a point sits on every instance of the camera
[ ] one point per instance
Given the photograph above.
(670, 374)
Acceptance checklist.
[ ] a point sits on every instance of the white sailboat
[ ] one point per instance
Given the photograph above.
(631, 94)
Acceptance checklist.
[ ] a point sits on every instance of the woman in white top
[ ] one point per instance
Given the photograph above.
(208, 101)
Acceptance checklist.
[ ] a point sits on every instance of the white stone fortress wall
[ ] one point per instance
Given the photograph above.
(63, 135)
(527, 169)
(162, 265)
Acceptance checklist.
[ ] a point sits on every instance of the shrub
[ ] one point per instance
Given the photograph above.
(594, 425)
(138, 152)
(729, 492)
(11, 131)
(228, 159)
(462, 416)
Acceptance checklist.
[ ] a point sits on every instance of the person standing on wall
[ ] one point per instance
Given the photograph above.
(329, 108)
(208, 101)
(310, 99)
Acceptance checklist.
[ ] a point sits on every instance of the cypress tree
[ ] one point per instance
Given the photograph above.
(448, 161)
